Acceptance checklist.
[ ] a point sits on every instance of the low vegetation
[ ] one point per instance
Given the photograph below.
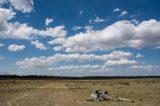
(144, 92)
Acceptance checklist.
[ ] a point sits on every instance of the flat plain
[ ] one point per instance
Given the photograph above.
(143, 92)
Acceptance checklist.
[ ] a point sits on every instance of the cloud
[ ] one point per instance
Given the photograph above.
(48, 21)
(3, 2)
(38, 45)
(121, 62)
(109, 62)
(135, 21)
(18, 30)
(46, 61)
(118, 55)
(57, 31)
(24, 6)
(15, 47)
(75, 28)
(139, 55)
(123, 13)
(5, 15)
(157, 47)
(80, 13)
(88, 67)
(149, 68)
(88, 28)
(117, 35)
(32, 62)
(97, 20)
(1, 44)
(57, 48)
(116, 10)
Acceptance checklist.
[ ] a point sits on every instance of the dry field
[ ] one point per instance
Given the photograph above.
(144, 92)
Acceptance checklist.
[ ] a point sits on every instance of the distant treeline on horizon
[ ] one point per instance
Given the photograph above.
(71, 77)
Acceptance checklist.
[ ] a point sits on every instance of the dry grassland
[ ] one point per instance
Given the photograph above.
(144, 92)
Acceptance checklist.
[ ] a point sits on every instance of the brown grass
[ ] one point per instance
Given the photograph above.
(144, 92)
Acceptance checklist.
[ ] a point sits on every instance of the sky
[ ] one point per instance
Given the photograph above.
(80, 37)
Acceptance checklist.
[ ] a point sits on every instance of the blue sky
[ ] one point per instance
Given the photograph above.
(80, 38)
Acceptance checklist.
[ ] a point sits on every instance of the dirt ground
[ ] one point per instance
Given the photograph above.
(143, 92)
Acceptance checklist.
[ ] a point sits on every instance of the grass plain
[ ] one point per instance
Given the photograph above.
(143, 92)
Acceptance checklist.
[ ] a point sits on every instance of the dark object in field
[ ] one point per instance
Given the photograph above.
(14, 81)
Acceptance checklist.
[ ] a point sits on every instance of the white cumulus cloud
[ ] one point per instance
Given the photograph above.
(38, 45)
(117, 35)
(19, 30)
(5, 15)
(15, 47)
(57, 48)
(139, 55)
(121, 62)
(88, 67)
(97, 20)
(123, 13)
(24, 6)
(116, 10)
(75, 28)
(149, 68)
(135, 21)
(45, 61)
(48, 21)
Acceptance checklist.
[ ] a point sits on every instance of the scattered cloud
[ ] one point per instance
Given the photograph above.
(46, 61)
(48, 21)
(1, 44)
(135, 21)
(18, 30)
(25, 6)
(123, 13)
(80, 13)
(88, 28)
(57, 31)
(149, 68)
(38, 45)
(139, 55)
(111, 61)
(121, 62)
(121, 34)
(97, 20)
(157, 47)
(57, 48)
(88, 67)
(117, 35)
(116, 10)
(75, 28)
(15, 47)
(5, 15)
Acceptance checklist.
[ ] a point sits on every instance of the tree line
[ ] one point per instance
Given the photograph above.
(71, 77)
